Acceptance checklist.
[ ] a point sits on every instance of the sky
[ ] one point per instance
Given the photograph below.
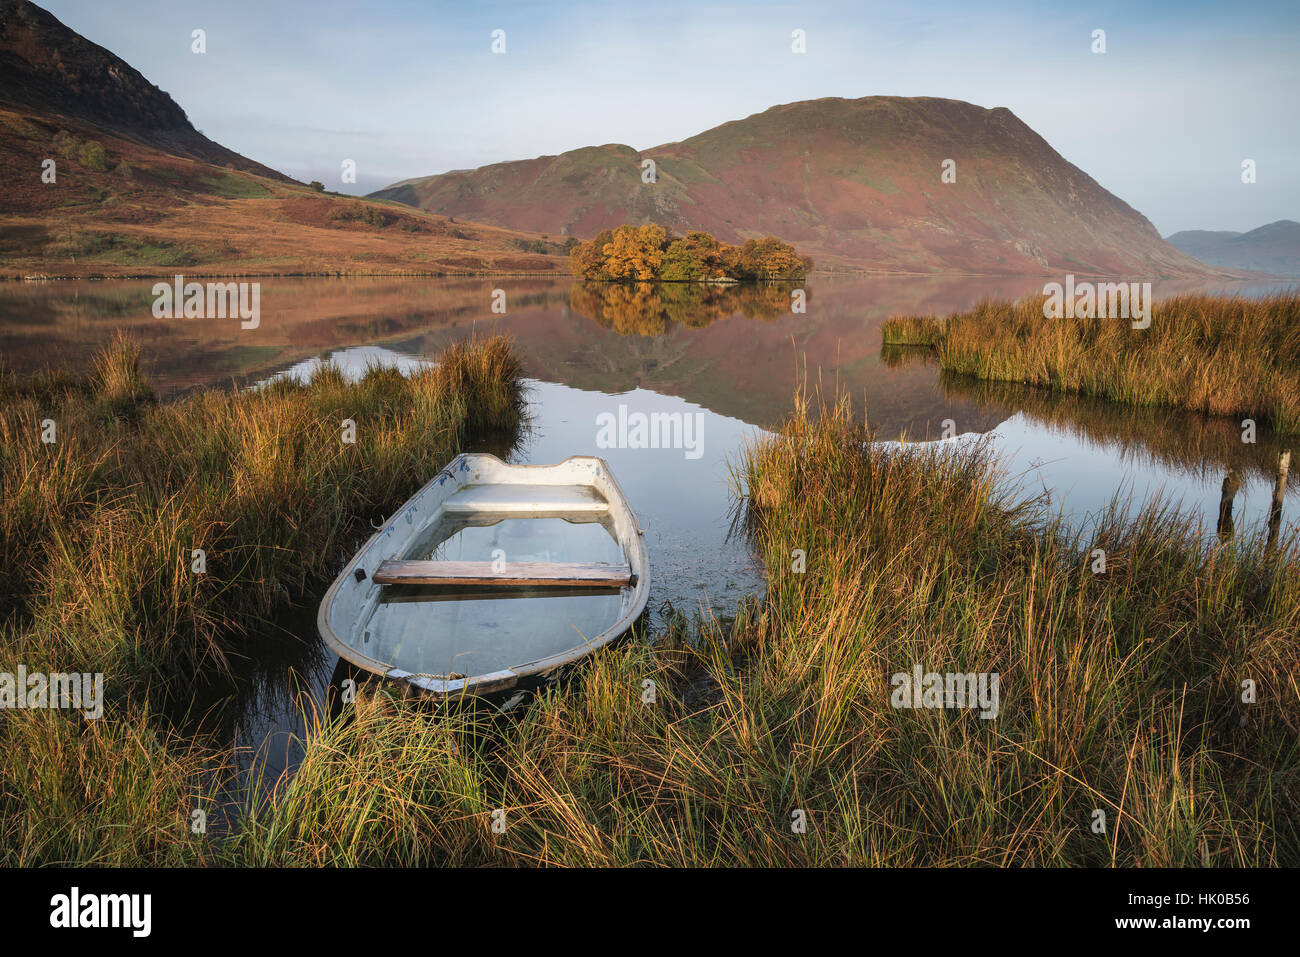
(1184, 93)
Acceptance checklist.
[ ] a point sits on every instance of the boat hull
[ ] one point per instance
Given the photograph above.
(490, 642)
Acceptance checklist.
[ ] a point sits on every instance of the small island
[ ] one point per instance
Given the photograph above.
(651, 253)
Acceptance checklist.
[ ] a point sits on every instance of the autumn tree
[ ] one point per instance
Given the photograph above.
(635, 252)
(587, 260)
(769, 258)
(649, 253)
(695, 256)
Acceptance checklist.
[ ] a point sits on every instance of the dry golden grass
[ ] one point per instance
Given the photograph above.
(1221, 355)
(99, 527)
(96, 539)
(152, 213)
(1119, 692)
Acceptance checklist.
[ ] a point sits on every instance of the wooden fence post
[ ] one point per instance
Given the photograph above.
(1231, 484)
(1279, 492)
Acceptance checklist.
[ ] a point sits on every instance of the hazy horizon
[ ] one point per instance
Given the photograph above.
(1162, 119)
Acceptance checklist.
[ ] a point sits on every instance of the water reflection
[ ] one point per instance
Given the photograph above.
(448, 631)
(649, 309)
(1201, 447)
(1084, 452)
(277, 690)
(736, 350)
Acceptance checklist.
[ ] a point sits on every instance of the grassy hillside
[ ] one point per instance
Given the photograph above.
(121, 208)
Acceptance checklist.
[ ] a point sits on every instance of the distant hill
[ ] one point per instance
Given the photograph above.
(854, 183)
(1274, 248)
(139, 191)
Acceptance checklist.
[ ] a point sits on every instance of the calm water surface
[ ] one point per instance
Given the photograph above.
(731, 360)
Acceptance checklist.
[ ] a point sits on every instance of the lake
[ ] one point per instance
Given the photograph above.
(722, 364)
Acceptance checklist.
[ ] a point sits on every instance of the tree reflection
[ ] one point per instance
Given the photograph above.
(650, 308)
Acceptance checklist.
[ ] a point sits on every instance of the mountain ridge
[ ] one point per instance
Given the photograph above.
(856, 183)
(1273, 248)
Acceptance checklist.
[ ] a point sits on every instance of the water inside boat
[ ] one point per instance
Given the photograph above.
(454, 630)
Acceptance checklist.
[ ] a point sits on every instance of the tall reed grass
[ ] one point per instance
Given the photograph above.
(1218, 354)
(98, 533)
(1120, 693)
(99, 528)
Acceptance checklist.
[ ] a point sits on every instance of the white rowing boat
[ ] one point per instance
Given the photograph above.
(492, 577)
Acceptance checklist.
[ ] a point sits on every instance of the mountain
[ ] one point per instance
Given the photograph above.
(137, 190)
(45, 68)
(855, 183)
(1274, 248)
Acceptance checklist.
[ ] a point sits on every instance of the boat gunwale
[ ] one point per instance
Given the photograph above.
(494, 682)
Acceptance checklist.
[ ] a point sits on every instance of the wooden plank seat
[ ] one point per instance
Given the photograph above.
(531, 500)
(529, 574)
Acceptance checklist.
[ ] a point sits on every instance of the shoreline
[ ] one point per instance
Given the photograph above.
(822, 273)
